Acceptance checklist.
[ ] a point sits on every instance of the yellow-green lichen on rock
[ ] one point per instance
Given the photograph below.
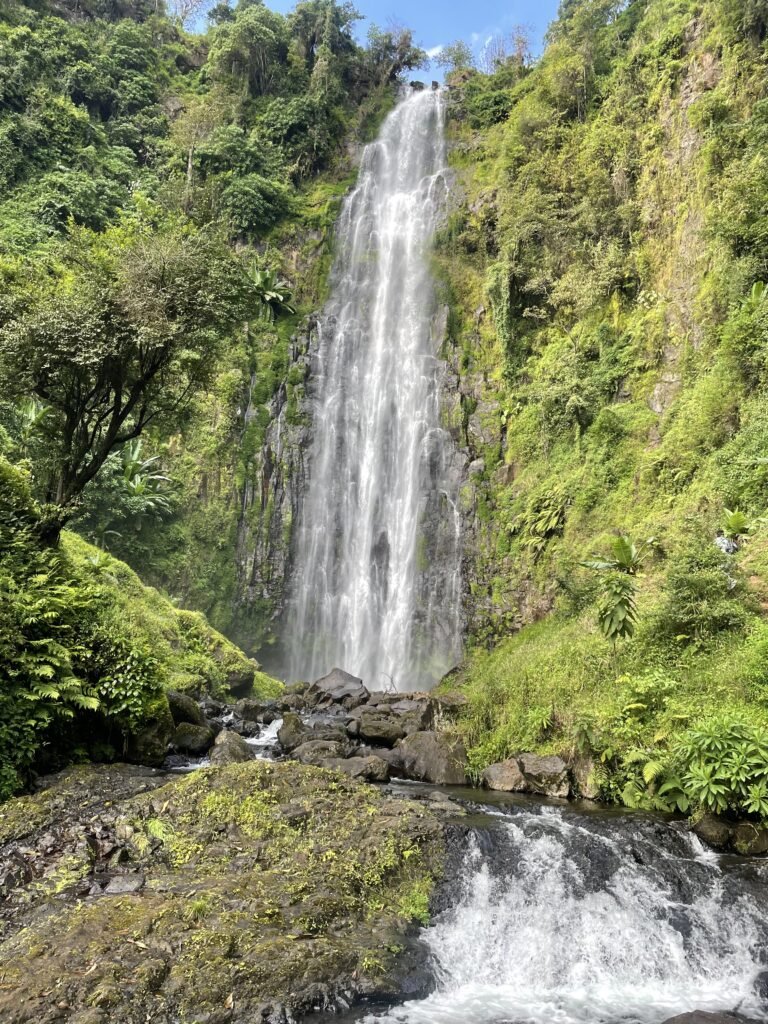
(230, 888)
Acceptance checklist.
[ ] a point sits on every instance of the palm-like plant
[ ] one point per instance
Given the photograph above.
(272, 294)
(626, 556)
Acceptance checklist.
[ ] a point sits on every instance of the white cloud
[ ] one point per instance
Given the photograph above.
(475, 38)
(434, 51)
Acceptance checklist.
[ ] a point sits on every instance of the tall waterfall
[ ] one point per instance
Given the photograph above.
(594, 919)
(376, 580)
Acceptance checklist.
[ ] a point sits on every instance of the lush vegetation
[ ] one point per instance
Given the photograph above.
(165, 199)
(605, 275)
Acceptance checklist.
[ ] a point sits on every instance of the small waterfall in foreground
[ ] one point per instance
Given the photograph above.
(376, 584)
(569, 918)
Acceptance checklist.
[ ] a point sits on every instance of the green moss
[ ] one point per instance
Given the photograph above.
(261, 880)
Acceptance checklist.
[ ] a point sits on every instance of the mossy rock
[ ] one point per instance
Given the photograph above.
(254, 884)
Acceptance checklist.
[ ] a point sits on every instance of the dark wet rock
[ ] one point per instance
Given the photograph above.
(240, 678)
(704, 1017)
(434, 757)
(750, 840)
(184, 709)
(150, 743)
(761, 986)
(222, 854)
(338, 687)
(547, 776)
(250, 709)
(377, 725)
(392, 756)
(317, 752)
(230, 748)
(714, 830)
(294, 731)
(367, 769)
(193, 739)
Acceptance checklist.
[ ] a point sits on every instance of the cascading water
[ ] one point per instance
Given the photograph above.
(376, 581)
(567, 918)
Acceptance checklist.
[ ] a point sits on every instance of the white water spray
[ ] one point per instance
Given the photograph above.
(562, 923)
(376, 585)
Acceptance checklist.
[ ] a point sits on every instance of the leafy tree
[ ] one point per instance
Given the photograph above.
(122, 336)
(392, 52)
(456, 56)
(251, 50)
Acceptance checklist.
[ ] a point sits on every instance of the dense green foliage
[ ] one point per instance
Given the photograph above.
(605, 276)
(86, 651)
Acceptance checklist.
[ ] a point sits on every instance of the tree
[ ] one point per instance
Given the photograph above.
(250, 50)
(125, 332)
(456, 56)
(391, 52)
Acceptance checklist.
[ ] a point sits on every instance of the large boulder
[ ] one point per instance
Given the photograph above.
(530, 773)
(714, 831)
(547, 776)
(230, 748)
(317, 752)
(250, 709)
(338, 687)
(434, 757)
(184, 708)
(751, 840)
(376, 725)
(294, 731)
(193, 739)
(149, 744)
(506, 777)
(366, 769)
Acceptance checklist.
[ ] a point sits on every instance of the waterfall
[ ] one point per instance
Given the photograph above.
(568, 918)
(376, 584)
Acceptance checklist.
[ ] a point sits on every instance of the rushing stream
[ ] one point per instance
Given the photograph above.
(376, 578)
(566, 917)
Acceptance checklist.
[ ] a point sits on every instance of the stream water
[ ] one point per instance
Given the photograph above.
(564, 916)
(376, 585)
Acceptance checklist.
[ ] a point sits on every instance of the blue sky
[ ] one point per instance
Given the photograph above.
(437, 22)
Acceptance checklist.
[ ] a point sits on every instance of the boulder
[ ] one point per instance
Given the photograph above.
(366, 769)
(338, 687)
(293, 732)
(392, 756)
(193, 739)
(751, 840)
(317, 752)
(184, 708)
(239, 678)
(713, 830)
(378, 725)
(149, 744)
(230, 748)
(585, 778)
(547, 776)
(250, 710)
(434, 757)
(506, 777)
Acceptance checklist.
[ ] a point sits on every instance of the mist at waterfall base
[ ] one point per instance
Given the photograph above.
(566, 917)
(375, 585)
